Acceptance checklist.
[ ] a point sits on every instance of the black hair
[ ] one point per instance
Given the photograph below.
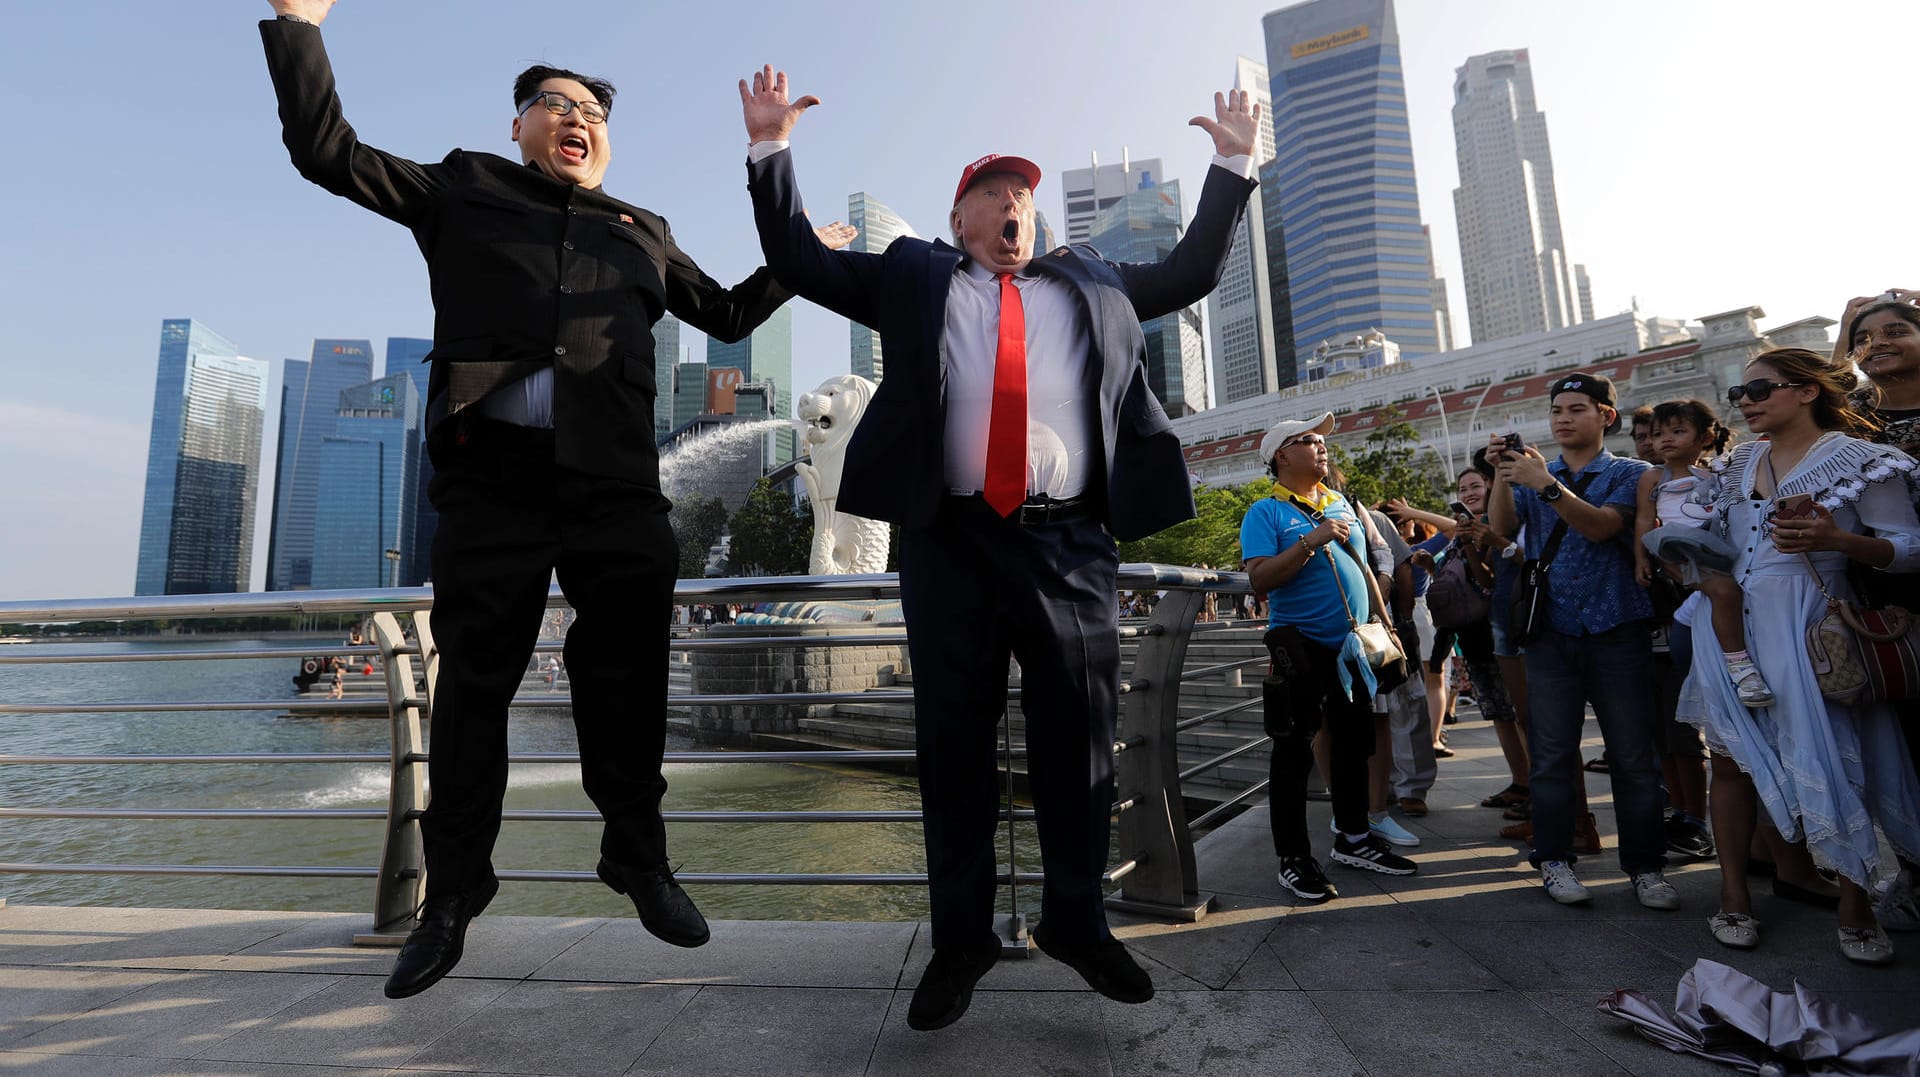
(1480, 464)
(529, 82)
(1700, 415)
(1641, 416)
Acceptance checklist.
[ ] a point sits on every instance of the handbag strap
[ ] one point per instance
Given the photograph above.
(1833, 603)
(1314, 516)
(1559, 531)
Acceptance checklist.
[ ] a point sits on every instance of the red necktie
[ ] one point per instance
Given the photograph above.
(1006, 482)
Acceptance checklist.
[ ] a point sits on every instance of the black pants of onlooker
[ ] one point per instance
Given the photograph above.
(1319, 700)
(509, 519)
(976, 587)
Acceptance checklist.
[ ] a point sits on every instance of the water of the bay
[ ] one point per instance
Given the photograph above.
(558, 846)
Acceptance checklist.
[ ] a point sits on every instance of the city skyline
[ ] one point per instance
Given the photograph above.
(1656, 109)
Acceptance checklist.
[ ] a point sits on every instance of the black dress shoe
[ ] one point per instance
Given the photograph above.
(434, 947)
(664, 908)
(946, 988)
(1106, 966)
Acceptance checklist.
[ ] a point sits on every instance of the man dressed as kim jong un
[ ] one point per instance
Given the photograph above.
(1013, 440)
(540, 412)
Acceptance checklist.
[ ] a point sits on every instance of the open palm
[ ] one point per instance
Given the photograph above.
(768, 113)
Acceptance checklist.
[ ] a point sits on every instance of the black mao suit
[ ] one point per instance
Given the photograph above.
(530, 272)
(975, 586)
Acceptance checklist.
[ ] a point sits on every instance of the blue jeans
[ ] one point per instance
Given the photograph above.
(1614, 671)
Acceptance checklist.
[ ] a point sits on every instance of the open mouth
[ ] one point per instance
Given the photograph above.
(574, 149)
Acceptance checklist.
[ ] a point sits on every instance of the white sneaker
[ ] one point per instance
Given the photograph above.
(1734, 929)
(1654, 891)
(1749, 685)
(1895, 904)
(1866, 945)
(1557, 876)
(1388, 829)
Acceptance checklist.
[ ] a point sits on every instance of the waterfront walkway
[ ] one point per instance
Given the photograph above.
(1464, 969)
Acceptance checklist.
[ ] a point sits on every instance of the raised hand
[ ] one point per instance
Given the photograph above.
(1235, 125)
(314, 11)
(836, 235)
(768, 114)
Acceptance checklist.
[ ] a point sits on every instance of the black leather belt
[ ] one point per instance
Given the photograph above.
(1036, 510)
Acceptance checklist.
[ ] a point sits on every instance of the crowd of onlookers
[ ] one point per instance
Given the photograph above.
(1717, 601)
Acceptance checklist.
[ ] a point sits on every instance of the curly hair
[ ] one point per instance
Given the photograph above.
(1833, 408)
(1700, 415)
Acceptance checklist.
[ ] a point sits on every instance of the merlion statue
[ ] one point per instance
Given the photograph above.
(842, 543)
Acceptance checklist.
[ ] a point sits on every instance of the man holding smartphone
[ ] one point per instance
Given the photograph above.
(1592, 644)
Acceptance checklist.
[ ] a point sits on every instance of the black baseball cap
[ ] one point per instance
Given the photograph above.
(1597, 386)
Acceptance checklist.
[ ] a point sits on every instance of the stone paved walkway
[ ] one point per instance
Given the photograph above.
(1464, 969)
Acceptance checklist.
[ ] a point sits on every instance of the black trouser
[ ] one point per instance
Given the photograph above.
(975, 587)
(1314, 686)
(509, 519)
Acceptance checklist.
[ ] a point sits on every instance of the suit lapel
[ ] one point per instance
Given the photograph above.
(942, 261)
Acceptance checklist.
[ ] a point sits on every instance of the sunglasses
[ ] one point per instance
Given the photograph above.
(1758, 389)
(1305, 439)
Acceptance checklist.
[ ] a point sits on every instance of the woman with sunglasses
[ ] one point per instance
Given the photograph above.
(1882, 335)
(1808, 499)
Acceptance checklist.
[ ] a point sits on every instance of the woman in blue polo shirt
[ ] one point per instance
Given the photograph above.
(1305, 549)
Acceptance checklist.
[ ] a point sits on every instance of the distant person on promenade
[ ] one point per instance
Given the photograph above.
(540, 426)
(1014, 439)
(1306, 549)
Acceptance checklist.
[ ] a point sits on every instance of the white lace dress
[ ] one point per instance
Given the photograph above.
(1824, 772)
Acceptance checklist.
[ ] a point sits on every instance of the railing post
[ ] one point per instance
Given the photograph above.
(1154, 830)
(403, 874)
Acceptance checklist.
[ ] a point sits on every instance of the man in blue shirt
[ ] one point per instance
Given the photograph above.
(1594, 646)
(1305, 549)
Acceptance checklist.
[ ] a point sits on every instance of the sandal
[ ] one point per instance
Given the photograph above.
(1597, 765)
(1511, 796)
(1441, 751)
(1522, 810)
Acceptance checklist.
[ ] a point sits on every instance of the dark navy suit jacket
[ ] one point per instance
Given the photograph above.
(895, 467)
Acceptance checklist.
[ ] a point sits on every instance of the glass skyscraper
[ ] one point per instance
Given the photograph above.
(203, 465)
(309, 400)
(1143, 226)
(404, 356)
(765, 356)
(1341, 184)
(1240, 310)
(879, 226)
(666, 353)
(367, 486)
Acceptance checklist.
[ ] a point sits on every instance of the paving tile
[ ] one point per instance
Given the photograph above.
(1617, 1040)
(205, 1068)
(179, 1017)
(320, 944)
(351, 1024)
(1264, 971)
(1575, 953)
(1219, 1032)
(1804, 948)
(23, 1063)
(1382, 948)
(34, 999)
(744, 953)
(768, 1030)
(558, 1028)
(1468, 1033)
(1003, 1035)
(133, 938)
(1211, 950)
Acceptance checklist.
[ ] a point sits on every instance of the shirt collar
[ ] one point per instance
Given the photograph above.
(982, 274)
(1318, 498)
(1597, 463)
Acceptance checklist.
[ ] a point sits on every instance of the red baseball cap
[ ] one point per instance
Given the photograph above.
(997, 162)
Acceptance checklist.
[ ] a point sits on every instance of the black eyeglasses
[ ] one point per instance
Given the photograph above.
(1759, 389)
(560, 104)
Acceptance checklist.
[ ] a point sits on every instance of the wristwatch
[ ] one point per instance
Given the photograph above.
(296, 18)
(1552, 493)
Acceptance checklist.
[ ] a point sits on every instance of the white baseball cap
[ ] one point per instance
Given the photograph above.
(1292, 428)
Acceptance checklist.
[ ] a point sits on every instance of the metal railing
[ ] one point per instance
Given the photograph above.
(1155, 868)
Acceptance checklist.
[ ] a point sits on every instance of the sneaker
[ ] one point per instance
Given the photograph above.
(1894, 903)
(1654, 891)
(1390, 831)
(1734, 929)
(1748, 684)
(1557, 876)
(1302, 876)
(1688, 837)
(1866, 945)
(1371, 854)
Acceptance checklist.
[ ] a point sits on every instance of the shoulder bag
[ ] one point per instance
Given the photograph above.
(1454, 598)
(1387, 660)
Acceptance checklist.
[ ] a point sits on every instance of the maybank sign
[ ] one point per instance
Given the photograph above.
(1331, 41)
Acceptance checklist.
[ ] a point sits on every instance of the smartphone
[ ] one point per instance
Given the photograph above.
(1458, 509)
(1793, 507)
(1514, 444)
